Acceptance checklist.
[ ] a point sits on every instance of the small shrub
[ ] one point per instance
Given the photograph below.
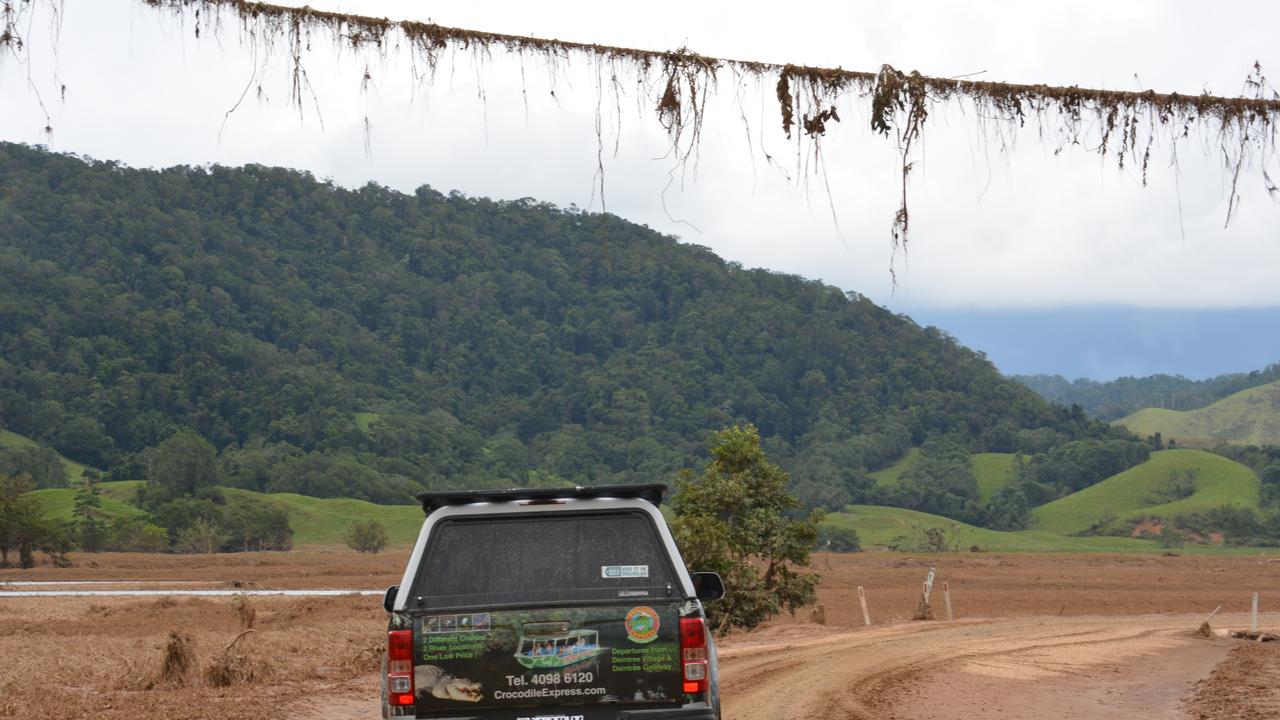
(1178, 485)
(366, 536)
(135, 535)
(58, 542)
(900, 543)
(927, 539)
(1172, 537)
(937, 540)
(838, 539)
(1108, 525)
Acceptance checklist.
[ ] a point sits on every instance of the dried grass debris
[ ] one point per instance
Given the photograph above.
(245, 611)
(232, 667)
(1255, 636)
(367, 658)
(818, 615)
(924, 610)
(179, 663)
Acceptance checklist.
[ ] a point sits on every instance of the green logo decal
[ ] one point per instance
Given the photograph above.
(642, 625)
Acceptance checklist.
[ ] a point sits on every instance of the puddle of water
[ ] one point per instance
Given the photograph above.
(55, 583)
(181, 593)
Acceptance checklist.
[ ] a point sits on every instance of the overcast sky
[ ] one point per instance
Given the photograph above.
(993, 230)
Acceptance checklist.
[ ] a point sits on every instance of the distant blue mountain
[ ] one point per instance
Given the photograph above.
(1102, 343)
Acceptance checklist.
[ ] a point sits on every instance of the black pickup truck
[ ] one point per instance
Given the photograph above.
(549, 604)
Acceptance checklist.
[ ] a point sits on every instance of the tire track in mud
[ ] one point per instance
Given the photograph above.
(867, 674)
(880, 690)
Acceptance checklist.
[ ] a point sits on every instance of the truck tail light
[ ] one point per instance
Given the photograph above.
(693, 654)
(400, 667)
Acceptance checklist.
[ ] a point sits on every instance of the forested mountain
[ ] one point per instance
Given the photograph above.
(368, 343)
(1120, 397)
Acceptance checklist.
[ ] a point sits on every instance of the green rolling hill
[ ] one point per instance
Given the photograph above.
(879, 525)
(12, 439)
(315, 521)
(116, 500)
(1250, 416)
(1143, 490)
(1140, 491)
(321, 521)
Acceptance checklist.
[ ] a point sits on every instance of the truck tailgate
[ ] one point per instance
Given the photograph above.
(535, 662)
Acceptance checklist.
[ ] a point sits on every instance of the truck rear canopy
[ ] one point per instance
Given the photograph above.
(544, 558)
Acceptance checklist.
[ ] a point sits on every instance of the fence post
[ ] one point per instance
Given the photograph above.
(946, 596)
(862, 598)
(1212, 614)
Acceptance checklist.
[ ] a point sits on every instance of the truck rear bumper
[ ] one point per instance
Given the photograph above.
(699, 711)
(693, 713)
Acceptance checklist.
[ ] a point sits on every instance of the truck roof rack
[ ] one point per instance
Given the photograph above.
(436, 499)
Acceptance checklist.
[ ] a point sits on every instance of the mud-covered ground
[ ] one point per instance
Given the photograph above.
(1063, 636)
(1245, 687)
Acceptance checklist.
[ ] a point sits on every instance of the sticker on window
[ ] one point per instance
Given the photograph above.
(624, 571)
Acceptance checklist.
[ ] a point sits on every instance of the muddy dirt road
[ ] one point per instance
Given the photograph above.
(1084, 668)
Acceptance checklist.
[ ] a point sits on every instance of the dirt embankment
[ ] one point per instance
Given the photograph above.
(1245, 687)
(1000, 585)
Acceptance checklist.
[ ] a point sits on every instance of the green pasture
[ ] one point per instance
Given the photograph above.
(889, 474)
(992, 471)
(879, 526)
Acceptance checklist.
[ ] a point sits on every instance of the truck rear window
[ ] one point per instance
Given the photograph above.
(549, 557)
